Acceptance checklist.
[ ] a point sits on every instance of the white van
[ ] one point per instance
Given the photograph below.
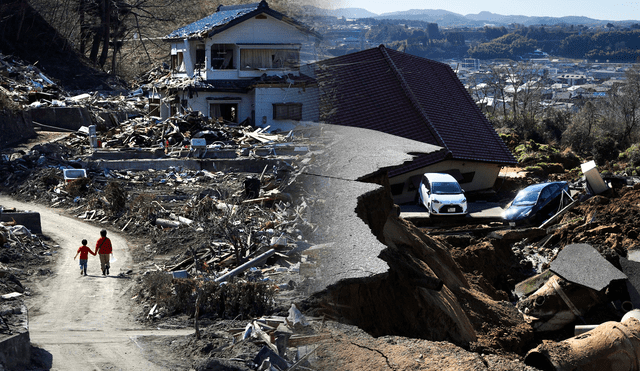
(441, 195)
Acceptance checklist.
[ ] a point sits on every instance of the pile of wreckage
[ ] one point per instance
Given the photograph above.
(18, 80)
(23, 254)
(69, 174)
(228, 218)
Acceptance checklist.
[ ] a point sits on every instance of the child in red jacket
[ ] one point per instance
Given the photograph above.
(84, 251)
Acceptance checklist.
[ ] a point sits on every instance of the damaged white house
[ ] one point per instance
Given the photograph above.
(241, 65)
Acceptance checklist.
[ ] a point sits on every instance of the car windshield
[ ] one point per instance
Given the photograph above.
(445, 188)
(526, 197)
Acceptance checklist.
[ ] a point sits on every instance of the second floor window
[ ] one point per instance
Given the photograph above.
(222, 56)
(269, 58)
(177, 62)
(199, 57)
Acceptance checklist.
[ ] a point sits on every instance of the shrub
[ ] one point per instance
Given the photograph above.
(633, 155)
(604, 149)
(77, 187)
(116, 196)
(228, 300)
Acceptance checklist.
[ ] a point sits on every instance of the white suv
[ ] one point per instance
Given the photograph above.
(441, 195)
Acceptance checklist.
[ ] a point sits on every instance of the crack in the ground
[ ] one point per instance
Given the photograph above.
(377, 351)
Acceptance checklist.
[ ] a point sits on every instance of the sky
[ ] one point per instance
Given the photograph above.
(612, 10)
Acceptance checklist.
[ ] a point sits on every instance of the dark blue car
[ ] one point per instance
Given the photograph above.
(536, 203)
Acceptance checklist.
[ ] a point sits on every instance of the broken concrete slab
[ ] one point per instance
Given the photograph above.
(594, 181)
(583, 264)
(355, 153)
(351, 250)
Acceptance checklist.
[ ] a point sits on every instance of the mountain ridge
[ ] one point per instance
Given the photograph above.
(483, 18)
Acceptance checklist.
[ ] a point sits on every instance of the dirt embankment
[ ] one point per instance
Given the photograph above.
(426, 294)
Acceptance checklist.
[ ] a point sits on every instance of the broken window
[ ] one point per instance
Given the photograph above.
(177, 62)
(222, 56)
(269, 58)
(200, 63)
(224, 111)
(287, 111)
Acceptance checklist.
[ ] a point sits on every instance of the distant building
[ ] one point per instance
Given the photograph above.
(571, 79)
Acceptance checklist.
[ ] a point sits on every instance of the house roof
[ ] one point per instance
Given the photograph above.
(411, 97)
(228, 16)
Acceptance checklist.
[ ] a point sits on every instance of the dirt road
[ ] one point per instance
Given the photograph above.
(86, 322)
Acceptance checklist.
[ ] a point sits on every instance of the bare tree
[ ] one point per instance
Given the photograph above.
(498, 83)
(582, 129)
(519, 86)
(624, 106)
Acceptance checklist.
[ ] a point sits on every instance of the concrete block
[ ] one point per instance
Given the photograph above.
(71, 118)
(29, 219)
(583, 264)
(15, 351)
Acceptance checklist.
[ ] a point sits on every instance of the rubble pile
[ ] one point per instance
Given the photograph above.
(23, 255)
(218, 218)
(29, 87)
(606, 222)
(23, 251)
(290, 341)
(18, 80)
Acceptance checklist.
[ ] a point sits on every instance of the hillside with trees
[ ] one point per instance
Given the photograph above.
(120, 37)
(566, 42)
(613, 43)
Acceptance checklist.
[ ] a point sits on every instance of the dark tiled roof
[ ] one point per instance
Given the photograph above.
(227, 16)
(412, 97)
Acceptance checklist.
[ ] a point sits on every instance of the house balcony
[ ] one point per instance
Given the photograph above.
(233, 74)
